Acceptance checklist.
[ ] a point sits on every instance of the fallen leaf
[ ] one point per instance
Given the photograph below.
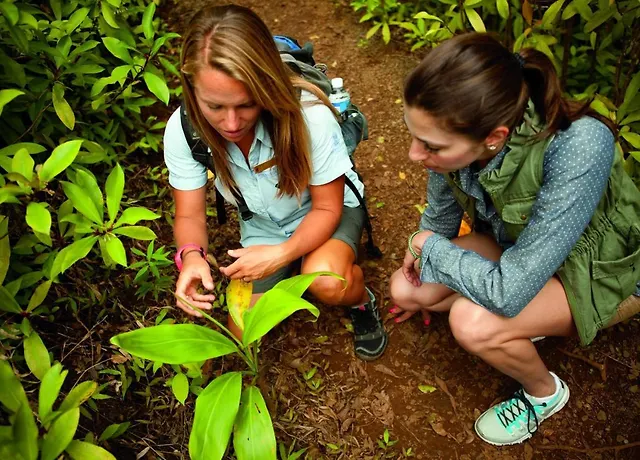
(402, 175)
(380, 140)
(426, 388)
(385, 370)
(398, 101)
(602, 416)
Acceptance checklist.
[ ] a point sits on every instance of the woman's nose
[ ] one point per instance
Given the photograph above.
(416, 151)
(232, 120)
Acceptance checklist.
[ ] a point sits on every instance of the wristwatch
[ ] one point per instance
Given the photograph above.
(188, 247)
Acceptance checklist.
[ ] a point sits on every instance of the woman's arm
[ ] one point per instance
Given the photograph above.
(317, 226)
(443, 214)
(576, 171)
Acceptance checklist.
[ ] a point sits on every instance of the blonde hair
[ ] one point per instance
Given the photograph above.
(234, 40)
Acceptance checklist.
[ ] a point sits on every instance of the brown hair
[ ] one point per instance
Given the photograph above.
(474, 84)
(234, 40)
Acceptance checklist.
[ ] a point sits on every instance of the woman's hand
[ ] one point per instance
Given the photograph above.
(255, 262)
(195, 270)
(409, 269)
(406, 313)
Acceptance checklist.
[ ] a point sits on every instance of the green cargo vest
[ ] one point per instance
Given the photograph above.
(604, 266)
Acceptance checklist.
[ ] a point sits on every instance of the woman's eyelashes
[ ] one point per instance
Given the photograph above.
(430, 149)
(248, 105)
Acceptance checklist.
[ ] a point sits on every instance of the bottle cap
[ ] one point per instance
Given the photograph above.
(337, 83)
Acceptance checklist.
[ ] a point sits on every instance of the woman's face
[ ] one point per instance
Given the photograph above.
(437, 149)
(227, 105)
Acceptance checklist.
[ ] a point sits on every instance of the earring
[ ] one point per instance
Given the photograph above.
(492, 147)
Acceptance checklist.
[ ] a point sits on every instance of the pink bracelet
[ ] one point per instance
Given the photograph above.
(181, 249)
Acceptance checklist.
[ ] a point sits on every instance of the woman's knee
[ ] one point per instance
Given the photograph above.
(327, 289)
(400, 290)
(473, 327)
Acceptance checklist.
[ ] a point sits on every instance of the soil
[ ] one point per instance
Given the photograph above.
(357, 401)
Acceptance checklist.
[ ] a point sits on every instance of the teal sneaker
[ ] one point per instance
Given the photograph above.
(516, 419)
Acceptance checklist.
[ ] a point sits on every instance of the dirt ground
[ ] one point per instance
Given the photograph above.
(343, 411)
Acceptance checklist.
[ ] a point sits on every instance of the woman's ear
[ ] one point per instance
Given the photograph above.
(497, 137)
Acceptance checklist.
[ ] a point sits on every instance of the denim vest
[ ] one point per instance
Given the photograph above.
(604, 266)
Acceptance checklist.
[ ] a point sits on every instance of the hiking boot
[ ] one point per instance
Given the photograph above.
(370, 337)
(516, 419)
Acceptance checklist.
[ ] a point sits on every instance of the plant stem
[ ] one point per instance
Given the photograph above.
(251, 362)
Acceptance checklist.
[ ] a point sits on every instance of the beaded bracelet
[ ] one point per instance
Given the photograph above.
(411, 250)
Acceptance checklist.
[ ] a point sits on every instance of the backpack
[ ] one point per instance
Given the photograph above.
(353, 126)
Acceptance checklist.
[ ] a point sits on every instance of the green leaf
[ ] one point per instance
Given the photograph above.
(8, 302)
(15, 148)
(36, 355)
(115, 249)
(76, 19)
(25, 432)
(108, 15)
(273, 307)
(71, 254)
(371, 32)
(83, 203)
(87, 182)
(253, 437)
(5, 247)
(160, 41)
(425, 15)
(61, 157)
(503, 8)
(22, 163)
(551, 14)
(8, 95)
(632, 138)
(475, 20)
(10, 12)
(38, 296)
(39, 217)
(60, 434)
(386, 33)
(426, 388)
(114, 189)
(180, 387)
(118, 49)
(136, 232)
(630, 93)
(113, 431)
(631, 118)
(133, 215)
(50, 389)
(56, 7)
(12, 395)
(78, 395)
(215, 414)
(79, 450)
(62, 107)
(147, 21)
(175, 343)
(297, 285)
(157, 86)
(599, 18)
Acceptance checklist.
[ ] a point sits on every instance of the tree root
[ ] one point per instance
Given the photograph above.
(601, 367)
(590, 451)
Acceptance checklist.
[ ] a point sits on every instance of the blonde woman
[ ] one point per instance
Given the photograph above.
(274, 138)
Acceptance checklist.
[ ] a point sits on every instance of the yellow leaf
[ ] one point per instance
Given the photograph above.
(527, 12)
(380, 140)
(464, 228)
(402, 175)
(238, 300)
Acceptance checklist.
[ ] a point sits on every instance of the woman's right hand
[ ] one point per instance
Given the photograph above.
(195, 270)
(409, 269)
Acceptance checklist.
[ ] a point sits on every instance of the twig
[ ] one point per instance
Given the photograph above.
(590, 451)
(601, 367)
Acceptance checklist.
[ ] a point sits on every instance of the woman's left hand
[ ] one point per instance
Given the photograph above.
(255, 262)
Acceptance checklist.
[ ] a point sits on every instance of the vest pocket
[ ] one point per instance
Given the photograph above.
(615, 280)
(516, 215)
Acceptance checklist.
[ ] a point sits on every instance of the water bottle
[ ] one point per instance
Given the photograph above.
(339, 97)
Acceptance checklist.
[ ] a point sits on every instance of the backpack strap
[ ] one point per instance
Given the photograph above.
(373, 251)
(200, 153)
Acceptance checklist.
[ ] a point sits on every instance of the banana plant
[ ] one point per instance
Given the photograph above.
(52, 432)
(231, 403)
(87, 199)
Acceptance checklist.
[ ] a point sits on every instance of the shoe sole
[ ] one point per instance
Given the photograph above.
(365, 357)
(561, 404)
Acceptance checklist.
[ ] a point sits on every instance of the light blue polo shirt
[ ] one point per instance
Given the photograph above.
(274, 218)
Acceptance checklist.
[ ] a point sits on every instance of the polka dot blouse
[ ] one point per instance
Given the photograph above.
(576, 168)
